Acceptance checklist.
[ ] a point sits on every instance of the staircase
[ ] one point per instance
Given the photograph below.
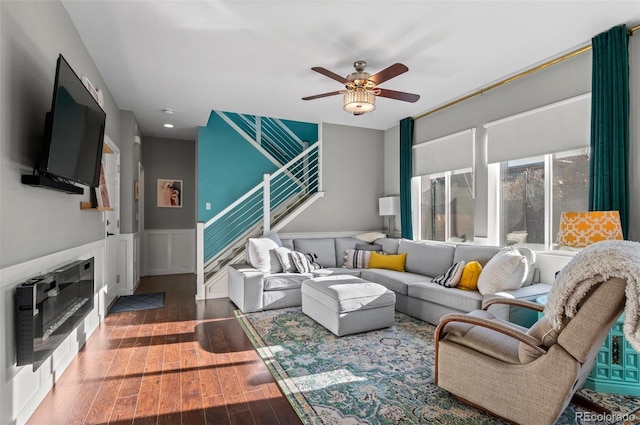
(269, 135)
(267, 207)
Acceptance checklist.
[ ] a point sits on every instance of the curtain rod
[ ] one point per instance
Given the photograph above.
(515, 77)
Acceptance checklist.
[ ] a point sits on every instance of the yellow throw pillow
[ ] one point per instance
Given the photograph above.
(469, 278)
(390, 262)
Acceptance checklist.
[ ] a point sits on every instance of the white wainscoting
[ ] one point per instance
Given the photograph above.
(128, 263)
(23, 389)
(169, 251)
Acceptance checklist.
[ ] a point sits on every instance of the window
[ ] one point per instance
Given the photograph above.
(447, 206)
(432, 208)
(522, 201)
(570, 185)
(535, 191)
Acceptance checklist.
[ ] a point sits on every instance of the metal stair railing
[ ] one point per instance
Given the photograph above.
(220, 238)
(271, 134)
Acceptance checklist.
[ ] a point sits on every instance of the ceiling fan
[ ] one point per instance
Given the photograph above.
(362, 87)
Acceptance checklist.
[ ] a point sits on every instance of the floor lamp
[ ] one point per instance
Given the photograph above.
(389, 207)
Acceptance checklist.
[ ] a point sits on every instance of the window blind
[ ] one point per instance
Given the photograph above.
(447, 153)
(557, 127)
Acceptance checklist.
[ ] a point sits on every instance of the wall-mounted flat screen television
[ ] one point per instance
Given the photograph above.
(74, 135)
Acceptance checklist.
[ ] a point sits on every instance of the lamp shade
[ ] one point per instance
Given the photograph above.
(359, 101)
(580, 229)
(389, 205)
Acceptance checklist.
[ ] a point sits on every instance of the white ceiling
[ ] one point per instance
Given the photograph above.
(255, 57)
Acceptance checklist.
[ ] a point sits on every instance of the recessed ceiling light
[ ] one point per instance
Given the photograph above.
(167, 125)
(168, 111)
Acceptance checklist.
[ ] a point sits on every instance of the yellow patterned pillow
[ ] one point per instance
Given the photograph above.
(390, 262)
(469, 278)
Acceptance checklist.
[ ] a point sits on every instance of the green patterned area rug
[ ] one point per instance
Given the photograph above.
(379, 377)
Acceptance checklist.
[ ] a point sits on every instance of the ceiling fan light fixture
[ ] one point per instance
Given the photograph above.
(359, 102)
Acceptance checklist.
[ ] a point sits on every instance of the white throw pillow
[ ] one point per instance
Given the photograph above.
(531, 264)
(262, 255)
(370, 236)
(506, 271)
(282, 252)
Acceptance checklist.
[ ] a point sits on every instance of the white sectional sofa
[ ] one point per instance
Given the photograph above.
(416, 293)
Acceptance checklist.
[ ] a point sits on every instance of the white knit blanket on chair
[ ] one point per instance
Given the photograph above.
(595, 264)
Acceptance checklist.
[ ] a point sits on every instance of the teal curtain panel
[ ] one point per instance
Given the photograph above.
(609, 165)
(406, 172)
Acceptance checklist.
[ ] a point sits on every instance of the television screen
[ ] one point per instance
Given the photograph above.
(74, 133)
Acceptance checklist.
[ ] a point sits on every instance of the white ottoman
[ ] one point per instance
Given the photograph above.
(347, 304)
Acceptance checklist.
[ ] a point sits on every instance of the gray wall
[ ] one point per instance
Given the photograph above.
(176, 160)
(353, 179)
(563, 80)
(35, 221)
(130, 156)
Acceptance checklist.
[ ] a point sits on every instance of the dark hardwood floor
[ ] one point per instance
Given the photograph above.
(187, 363)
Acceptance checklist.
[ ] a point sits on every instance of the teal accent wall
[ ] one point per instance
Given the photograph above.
(304, 130)
(229, 166)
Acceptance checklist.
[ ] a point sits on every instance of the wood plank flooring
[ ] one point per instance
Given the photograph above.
(188, 363)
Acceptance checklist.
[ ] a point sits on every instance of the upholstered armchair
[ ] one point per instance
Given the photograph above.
(527, 376)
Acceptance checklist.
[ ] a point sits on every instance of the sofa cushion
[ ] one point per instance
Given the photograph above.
(287, 243)
(342, 245)
(485, 340)
(280, 281)
(454, 298)
(343, 294)
(427, 259)
(323, 248)
(480, 253)
(389, 245)
(337, 271)
(369, 247)
(396, 281)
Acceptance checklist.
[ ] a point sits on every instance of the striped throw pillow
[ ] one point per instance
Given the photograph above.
(451, 277)
(302, 262)
(356, 258)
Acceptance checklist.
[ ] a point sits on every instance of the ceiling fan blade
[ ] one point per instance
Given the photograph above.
(330, 74)
(389, 73)
(318, 96)
(399, 95)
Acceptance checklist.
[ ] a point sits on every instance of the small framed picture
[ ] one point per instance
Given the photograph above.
(169, 193)
(92, 89)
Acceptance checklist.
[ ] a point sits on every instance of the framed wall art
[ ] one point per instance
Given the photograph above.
(169, 193)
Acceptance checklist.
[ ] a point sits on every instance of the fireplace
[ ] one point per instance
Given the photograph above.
(49, 307)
